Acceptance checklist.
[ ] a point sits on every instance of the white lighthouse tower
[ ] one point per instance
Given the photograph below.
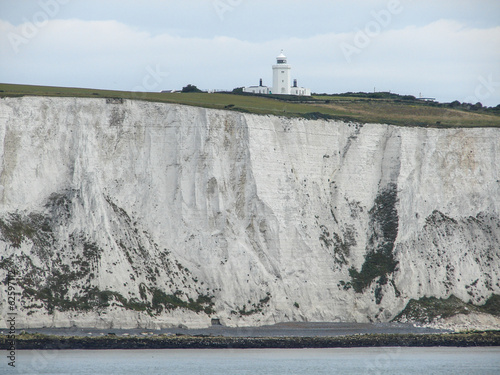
(281, 76)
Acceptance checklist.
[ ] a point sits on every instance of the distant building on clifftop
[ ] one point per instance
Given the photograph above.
(281, 81)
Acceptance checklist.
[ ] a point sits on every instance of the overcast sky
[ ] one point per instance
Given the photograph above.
(445, 49)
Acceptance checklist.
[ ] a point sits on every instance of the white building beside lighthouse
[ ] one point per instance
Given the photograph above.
(281, 81)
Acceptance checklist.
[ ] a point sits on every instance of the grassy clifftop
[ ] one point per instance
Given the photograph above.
(388, 109)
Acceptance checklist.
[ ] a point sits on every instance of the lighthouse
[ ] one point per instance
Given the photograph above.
(281, 81)
(281, 76)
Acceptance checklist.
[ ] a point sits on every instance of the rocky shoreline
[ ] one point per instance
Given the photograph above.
(111, 341)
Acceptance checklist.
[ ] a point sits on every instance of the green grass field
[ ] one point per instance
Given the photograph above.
(347, 107)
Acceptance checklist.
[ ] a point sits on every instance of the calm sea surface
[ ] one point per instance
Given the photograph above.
(456, 361)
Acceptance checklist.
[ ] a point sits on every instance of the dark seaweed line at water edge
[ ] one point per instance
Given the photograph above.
(39, 341)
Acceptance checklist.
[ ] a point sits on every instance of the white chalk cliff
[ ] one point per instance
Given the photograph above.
(137, 214)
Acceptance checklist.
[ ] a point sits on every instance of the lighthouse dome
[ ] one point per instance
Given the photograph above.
(281, 58)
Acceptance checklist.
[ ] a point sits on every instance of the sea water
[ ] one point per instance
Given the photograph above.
(390, 360)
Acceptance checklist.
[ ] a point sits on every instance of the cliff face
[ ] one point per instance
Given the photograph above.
(133, 214)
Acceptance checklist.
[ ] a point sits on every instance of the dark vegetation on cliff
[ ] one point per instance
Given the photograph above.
(429, 309)
(379, 261)
(49, 285)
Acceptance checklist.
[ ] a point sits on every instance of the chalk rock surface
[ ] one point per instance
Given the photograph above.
(136, 214)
